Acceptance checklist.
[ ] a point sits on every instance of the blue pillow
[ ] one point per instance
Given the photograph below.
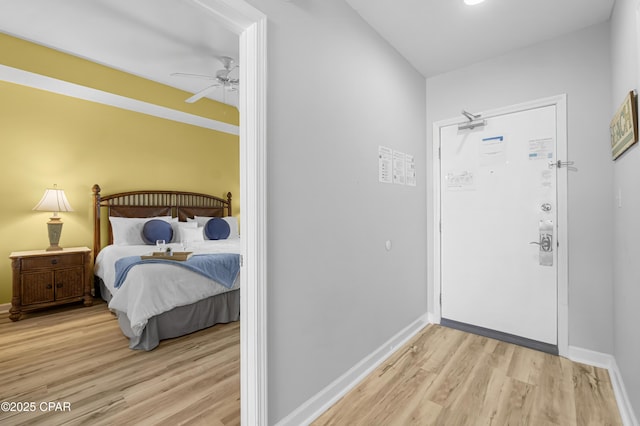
(156, 229)
(217, 229)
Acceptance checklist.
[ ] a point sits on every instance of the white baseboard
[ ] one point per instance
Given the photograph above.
(323, 400)
(602, 360)
(4, 307)
(589, 357)
(626, 410)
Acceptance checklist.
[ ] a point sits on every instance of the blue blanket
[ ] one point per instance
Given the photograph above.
(220, 267)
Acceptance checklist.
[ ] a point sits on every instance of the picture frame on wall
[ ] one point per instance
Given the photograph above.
(624, 126)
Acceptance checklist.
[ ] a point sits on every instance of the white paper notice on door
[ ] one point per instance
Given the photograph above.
(492, 151)
(460, 180)
(385, 164)
(541, 149)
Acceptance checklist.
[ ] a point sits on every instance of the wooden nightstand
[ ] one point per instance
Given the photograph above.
(42, 279)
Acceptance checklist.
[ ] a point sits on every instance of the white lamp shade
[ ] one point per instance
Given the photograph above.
(54, 200)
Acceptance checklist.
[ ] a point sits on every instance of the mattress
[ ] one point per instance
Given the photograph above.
(150, 290)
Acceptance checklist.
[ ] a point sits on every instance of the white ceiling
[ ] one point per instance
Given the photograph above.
(149, 38)
(154, 38)
(441, 35)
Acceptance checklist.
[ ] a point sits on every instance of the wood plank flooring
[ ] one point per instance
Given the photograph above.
(449, 377)
(441, 377)
(79, 355)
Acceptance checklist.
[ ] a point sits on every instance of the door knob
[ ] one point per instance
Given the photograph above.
(545, 229)
(544, 243)
(545, 207)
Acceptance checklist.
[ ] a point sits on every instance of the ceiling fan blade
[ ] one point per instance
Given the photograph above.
(201, 94)
(184, 74)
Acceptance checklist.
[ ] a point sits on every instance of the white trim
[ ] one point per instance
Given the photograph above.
(235, 15)
(311, 409)
(61, 87)
(562, 194)
(435, 315)
(251, 25)
(603, 360)
(253, 189)
(560, 102)
(589, 357)
(624, 405)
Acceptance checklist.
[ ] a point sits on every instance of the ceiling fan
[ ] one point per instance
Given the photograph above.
(221, 79)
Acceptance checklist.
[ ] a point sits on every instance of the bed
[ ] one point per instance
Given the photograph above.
(154, 299)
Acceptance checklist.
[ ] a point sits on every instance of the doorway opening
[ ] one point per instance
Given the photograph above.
(251, 26)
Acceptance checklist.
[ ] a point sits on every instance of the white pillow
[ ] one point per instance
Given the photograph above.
(128, 230)
(178, 234)
(202, 220)
(231, 220)
(191, 235)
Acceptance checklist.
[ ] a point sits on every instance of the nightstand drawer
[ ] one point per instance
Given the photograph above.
(48, 262)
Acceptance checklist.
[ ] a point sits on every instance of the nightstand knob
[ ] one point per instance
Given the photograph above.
(49, 286)
(54, 261)
(59, 285)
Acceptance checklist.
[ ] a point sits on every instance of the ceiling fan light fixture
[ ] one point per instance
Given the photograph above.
(221, 80)
(472, 2)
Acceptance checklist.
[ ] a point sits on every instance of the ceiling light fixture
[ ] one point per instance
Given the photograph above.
(472, 2)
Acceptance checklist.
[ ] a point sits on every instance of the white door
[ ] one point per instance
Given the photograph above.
(498, 224)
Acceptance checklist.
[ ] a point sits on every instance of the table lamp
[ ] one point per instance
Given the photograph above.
(54, 201)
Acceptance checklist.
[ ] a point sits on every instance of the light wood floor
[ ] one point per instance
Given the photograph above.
(448, 377)
(78, 355)
(441, 377)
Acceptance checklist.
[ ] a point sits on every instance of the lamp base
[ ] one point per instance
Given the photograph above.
(54, 226)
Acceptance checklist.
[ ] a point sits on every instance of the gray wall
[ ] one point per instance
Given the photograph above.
(578, 65)
(626, 230)
(336, 92)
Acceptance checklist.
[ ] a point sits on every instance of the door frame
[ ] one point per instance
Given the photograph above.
(250, 25)
(560, 102)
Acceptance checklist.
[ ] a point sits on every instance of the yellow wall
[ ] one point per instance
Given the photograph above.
(49, 139)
